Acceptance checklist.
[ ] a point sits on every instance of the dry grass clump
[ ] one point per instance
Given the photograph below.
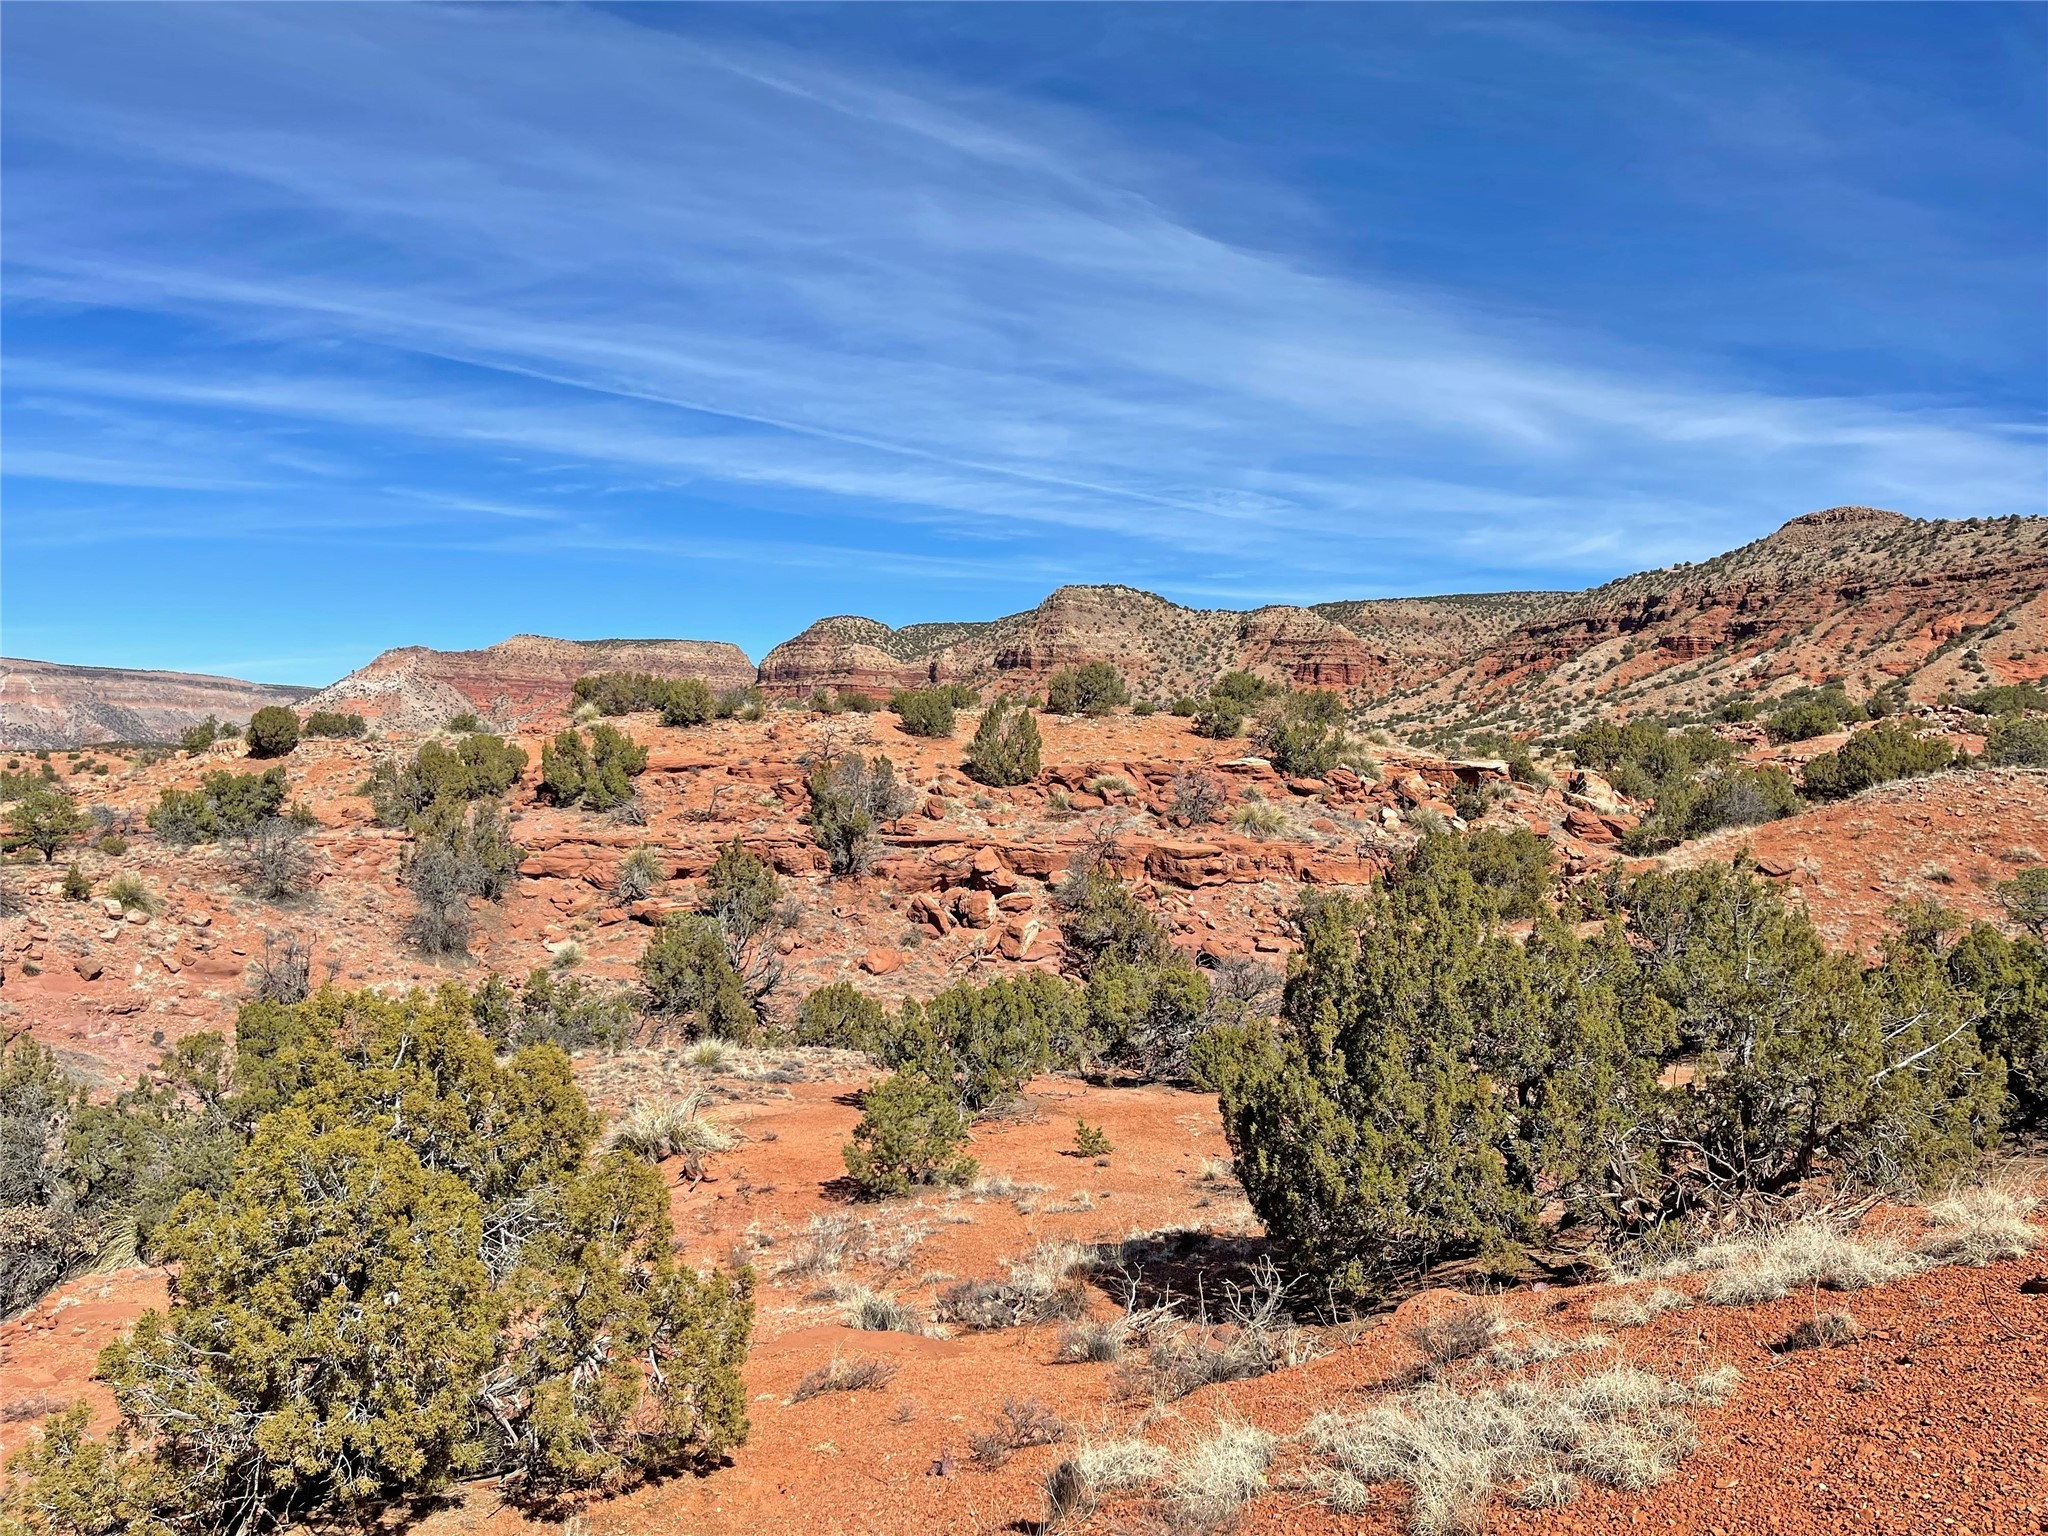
(830, 1243)
(1254, 1339)
(1534, 1439)
(1044, 1286)
(675, 1129)
(1717, 1385)
(1633, 1311)
(1073, 1487)
(1213, 1478)
(1091, 1341)
(1538, 1346)
(1823, 1330)
(1981, 1226)
(1808, 1254)
(863, 1373)
(1258, 818)
(821, 1248)
(1456, 1336)
(873, 1312)
(1001, 1186)
(1023, 1422)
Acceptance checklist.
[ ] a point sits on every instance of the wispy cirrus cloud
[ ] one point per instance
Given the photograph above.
(417, 265)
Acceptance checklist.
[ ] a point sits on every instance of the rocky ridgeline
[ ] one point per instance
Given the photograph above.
(1850, 592)
(43, 704)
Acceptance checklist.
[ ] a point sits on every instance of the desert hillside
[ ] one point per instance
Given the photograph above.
(1130, 1260)
(1854, 593)
(45, 704)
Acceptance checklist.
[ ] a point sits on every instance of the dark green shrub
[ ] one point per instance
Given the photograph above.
(598, 777)
(460, 849)
(1653, 751)
(273, 731)
(2007, 699)
(1101, 921)
(739, 704)
(512, 1306)
(196, 739)
(1089, 1140)
(743, 898)
(226, 805)
(2025, 899)
(1305, 736)
(910, 1134)
(76, 886)
(1434, 1089)
(984, 1043)
(1731, 797)
(2018, 741)
(687, 701)
(1219, 718)
(478, 767)
(852, 798)
(334, 724)
(1093, 688)
(2010, 976)
(1886, 751)
(1509, 870)
(1244, 689)
(925, 711)
(1185, 706)
(1145, 1018)
(632, 693)
(45, 819)
(1801, 720)
(553, 1009)
(687, 978)
(841, 1015)
(1005, 748)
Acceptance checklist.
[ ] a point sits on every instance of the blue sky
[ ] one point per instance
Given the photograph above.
(335, 328)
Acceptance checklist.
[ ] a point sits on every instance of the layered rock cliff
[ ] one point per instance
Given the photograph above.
(527, 676)
(45, 704)
(1856, 593)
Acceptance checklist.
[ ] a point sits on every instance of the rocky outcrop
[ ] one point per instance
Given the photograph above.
(45, 704)
(1307, 650)
(1853, 592)
(1161, 648)
(844, 653)
(527, 676)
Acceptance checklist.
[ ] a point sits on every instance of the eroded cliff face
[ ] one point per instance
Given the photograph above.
(44, 704)
(1160, 648)
(1856, 593)
(1852, 592)
(525, 677)
(842, 653)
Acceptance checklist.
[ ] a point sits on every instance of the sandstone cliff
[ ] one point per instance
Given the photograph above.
(44, 704)
(1161, 648)
(412, 688)
(1856, 593)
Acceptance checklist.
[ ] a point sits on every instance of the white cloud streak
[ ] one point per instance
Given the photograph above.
(513, 231)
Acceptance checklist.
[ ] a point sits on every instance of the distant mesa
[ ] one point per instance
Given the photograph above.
(47, 704)
(1854, 592)
(414, 688)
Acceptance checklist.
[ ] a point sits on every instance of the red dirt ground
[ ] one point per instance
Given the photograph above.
(1936, 1420)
